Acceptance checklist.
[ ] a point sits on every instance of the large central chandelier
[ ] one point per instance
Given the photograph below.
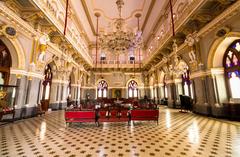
(120, 40)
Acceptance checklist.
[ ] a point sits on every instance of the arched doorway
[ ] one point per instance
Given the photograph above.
(5, 64)
(46, 87)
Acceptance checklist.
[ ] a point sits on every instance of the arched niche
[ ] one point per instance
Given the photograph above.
(215, 64)
(5, 64)
(16, 51)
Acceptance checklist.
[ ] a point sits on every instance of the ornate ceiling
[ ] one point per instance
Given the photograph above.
(154, 19)
(149, 9)
(204, 14)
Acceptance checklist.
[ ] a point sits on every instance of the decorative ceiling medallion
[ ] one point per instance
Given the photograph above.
(131, 15)
(120, 40)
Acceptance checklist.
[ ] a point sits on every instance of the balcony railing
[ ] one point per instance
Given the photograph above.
(118, 64)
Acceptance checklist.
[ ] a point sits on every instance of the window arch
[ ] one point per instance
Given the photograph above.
(132, 89)
(47, 82)
(5, 64)
(231, 64)
(102, 89)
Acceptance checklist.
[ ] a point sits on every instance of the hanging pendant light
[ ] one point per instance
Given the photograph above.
(120, 40)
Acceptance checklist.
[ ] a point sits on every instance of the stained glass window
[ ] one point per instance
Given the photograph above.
(231, 62)
(102, 89)
(132, 89)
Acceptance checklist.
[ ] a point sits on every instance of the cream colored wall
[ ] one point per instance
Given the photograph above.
(115, 80)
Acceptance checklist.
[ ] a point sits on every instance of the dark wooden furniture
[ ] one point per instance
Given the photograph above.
(232, 111)
(39, 110)
(186, 103)
(44, 105)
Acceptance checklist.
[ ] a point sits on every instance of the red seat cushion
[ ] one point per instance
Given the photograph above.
(80, 116)
(144, 114)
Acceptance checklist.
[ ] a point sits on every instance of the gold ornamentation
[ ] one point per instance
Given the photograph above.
(9, 31)
(3, 94)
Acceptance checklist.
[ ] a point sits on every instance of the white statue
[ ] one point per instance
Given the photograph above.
(44, 39)
(175, 46)
(41, 57)
(191, 39)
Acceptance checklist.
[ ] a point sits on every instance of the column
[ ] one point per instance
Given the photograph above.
(171, 95)
(54, 103)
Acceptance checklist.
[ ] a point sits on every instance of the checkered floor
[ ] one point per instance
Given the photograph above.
(178, 134)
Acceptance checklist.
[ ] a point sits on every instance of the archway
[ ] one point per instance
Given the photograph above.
(216, 57)
(231, 64)
(218, 49)
(5, 64)
(17, 52)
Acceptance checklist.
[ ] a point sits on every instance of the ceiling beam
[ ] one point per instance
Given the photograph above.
(84, 4)
(148, 14)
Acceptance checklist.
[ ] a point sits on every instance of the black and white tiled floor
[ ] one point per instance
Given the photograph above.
(178, 134)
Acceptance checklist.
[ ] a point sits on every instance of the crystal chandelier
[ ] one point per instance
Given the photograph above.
(120, 40)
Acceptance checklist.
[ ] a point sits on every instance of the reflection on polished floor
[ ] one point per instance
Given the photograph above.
(178, 134)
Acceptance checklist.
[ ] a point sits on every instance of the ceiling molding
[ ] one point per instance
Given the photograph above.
(133, 13)
(78, 23)
(154, 28)
(148, 14)
(88, 16)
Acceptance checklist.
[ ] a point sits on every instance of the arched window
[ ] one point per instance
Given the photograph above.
(132, 89)
(5, 64)
(47, 82)
(102, 89)
(231, 63)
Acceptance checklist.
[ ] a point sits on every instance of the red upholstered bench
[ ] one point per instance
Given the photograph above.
(80, 116)
(144, 115)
